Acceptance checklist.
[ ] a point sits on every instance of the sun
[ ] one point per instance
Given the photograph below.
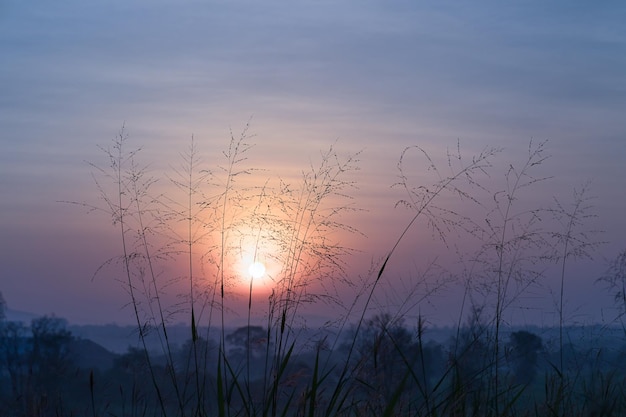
(256, 270)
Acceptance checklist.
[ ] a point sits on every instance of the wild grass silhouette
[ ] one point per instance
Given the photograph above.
(375, 366)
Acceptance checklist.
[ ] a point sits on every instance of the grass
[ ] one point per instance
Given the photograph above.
(377, 365)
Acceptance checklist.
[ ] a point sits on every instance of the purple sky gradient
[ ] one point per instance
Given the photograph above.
(365, 75)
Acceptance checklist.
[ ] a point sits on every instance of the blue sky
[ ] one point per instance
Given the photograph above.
(373, 76)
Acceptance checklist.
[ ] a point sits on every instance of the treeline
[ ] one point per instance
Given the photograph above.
(46, 371)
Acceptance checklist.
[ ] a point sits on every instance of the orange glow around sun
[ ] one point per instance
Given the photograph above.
(256, 261)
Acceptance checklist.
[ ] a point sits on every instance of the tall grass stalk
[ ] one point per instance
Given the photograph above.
(576, 243)
(119, 207)
(190, 179)
(511, 242)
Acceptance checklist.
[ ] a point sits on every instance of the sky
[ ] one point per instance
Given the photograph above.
(365, 77)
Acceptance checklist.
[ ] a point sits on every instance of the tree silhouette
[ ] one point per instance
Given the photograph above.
(50, 346)
(247, 341)
(37, 365)
(386, 351)
(525, 347)
(472, 352)
(49, 360)
(12, 358)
